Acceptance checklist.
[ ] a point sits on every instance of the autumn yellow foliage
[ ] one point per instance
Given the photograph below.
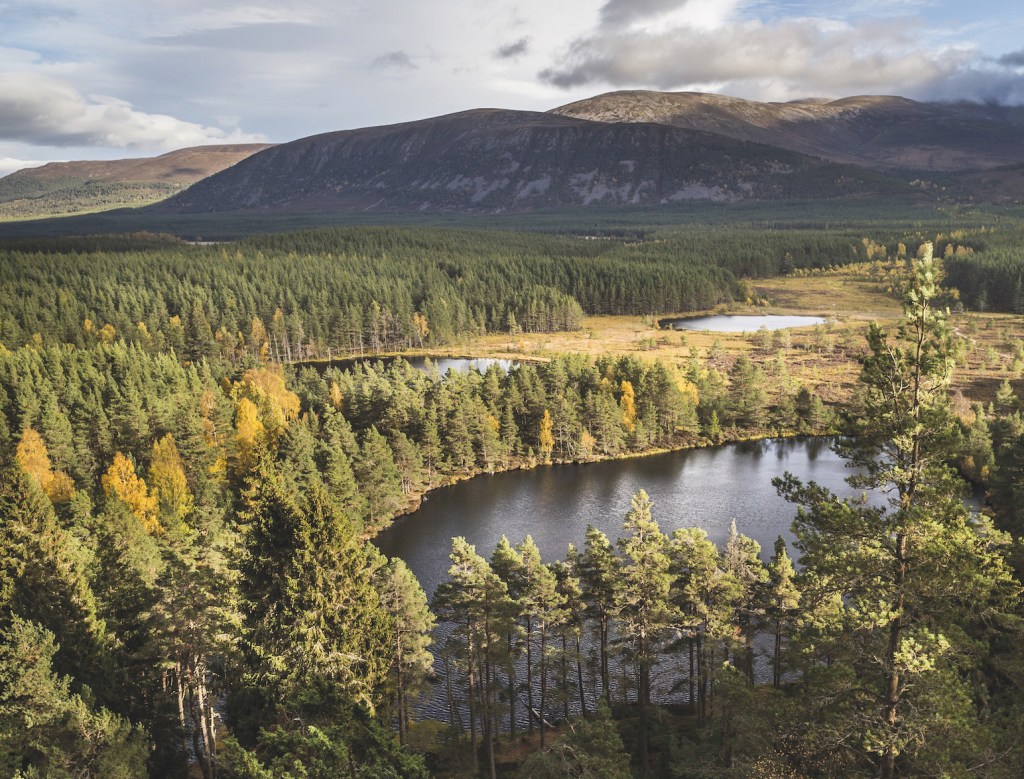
(266, 388)
(628, 405)
(547, 438)
(168, 484)
(250, 430)
(121, 481)
(34, 459)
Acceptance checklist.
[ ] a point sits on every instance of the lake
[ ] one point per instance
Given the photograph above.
(706, 488)
(742, 324)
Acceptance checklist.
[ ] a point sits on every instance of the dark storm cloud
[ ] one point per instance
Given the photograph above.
(1015, 59)
(396, 60)
(512, 50)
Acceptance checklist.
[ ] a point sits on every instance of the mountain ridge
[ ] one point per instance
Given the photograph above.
(64, 188)
(499, 160)
(878, 131)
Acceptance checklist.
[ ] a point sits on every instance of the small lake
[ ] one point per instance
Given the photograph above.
(442, 364)
(705, 488)
(742, 324)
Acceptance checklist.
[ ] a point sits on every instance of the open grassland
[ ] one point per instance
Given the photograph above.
(825, 358)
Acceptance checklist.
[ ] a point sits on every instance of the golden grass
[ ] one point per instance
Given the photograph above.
(823, 358)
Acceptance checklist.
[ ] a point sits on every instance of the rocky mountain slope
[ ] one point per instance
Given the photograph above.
(494, 160)
(77, 187)
(877, 131)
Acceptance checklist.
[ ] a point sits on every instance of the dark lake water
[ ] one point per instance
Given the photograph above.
(705, 488)
(442, 364)
(743, 324)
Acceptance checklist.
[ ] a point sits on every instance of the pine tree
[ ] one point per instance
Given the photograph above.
(598, 574)
(781, 601)
(642, 600)
(475, 600)
(507, 563)
(380, 482)
(914, 574)
(311, 614)
(413, 664)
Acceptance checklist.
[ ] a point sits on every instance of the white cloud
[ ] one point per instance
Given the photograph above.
(45, 110)
(786, 59)
(9, 165)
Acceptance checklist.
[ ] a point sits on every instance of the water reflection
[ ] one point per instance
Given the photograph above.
(441, 364)
(705, 488)
(741, 323)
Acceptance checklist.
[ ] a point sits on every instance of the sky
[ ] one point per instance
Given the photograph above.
(106, 79)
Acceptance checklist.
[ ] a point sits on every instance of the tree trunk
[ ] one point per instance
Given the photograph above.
(543, 681)
(529, 672)
(579, 677)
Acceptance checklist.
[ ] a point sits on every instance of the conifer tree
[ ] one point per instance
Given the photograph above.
(598, 569)
(781, 601)
(380, 482)
(413, 663)
(311, 613)
(912, 574)
(507, 563)
(642, 600)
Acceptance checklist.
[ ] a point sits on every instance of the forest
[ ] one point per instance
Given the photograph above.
(189, 584)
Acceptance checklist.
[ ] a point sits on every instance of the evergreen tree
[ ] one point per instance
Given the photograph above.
(915, 574)
(312, 618)
(380, 482)
(413, 664)
(592, 749)
(642, 601)
(599, 573)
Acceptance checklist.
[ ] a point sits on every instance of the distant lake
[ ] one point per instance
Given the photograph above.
(742, 324)
(443, 364)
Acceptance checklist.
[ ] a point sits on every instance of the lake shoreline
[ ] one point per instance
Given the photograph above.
(416, 500)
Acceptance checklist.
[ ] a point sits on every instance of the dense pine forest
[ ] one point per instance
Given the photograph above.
(326, 293)
(189, 585)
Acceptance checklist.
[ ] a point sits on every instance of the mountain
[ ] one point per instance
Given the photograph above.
(61, 188)
(876, 131)
(495, 160)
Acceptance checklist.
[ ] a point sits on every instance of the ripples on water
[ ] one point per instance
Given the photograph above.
(706, 488)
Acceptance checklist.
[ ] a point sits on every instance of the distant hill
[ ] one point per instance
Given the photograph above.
(881, 132)
(61, 188)
(494, 160)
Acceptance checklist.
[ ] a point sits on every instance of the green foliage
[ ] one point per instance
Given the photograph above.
(592, 749)
(47, 730)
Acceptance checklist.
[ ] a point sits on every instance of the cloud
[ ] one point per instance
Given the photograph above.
(44, 110)
(9, 165)
(397, 60)
(34, 12)
(512, 50)
(622, 12)
(1015, 59)
(261, 37)
(790, 58)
